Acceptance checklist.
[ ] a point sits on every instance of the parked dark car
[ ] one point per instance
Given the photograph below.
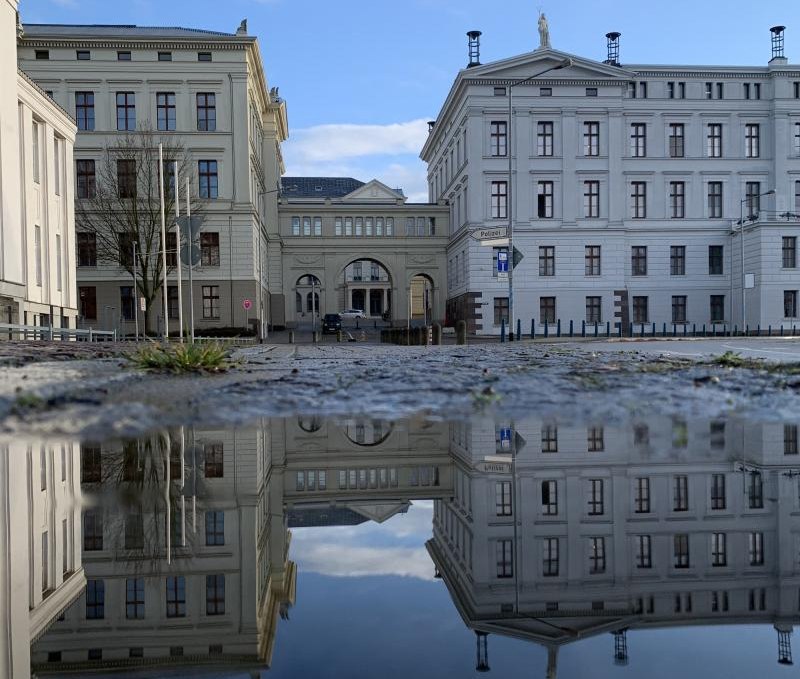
(331, 322)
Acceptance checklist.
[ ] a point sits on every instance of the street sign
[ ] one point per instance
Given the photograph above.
(518, 257)
(490, 234)
(247, 304)
(505, 438)
(502, 276)
(502, 261)
(195, 254)
(190, 225)
(142, 304)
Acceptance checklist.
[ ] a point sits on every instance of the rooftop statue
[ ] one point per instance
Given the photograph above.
(544, 32)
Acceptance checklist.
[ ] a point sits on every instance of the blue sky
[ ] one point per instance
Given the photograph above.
(361, 77)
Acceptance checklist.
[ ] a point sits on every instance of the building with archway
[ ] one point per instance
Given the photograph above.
(355, 245)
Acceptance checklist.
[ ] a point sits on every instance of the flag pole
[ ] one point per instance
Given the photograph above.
(178, 251)
(163, 239)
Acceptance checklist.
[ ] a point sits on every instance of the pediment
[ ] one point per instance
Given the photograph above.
(374, 192)
(525, 65)
(379, 512)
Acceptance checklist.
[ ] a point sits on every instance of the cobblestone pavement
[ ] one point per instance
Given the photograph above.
(103, 395)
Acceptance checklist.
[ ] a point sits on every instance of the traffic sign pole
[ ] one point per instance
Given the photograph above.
(178, 251)
(190, 238)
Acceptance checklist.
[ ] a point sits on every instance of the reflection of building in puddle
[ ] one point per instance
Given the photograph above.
(555, 532)
(40, 557)
(193, 570)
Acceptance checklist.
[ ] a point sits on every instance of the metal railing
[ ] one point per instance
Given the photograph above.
(39, 332)
(769, 216)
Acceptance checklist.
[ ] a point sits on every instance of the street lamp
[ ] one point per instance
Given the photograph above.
(748, 199)
(509, 193)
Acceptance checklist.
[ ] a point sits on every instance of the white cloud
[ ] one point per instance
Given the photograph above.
(353, 561)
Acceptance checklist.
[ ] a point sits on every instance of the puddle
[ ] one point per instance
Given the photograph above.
(357, 547)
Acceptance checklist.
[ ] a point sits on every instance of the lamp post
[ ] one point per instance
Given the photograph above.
(747, 199)
(510, 192)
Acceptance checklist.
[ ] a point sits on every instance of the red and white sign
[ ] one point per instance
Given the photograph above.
(247, 304)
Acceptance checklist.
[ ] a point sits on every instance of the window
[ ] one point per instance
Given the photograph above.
(746, 88)
(504, 551)
(796, 90)
(544, 138)
(644, 551)
(545, 91)
(714, 140)
(709, 90)
(790, 439)
(123, 56)
(85, 183)
(499, 91)
(165, 56)
(87, 248)
(84, 110)
(87, 297)
(215, 528)
(638, 200)
(756, 549)
(789, 250)
(719, 552)
(641, 498)
(751, 139)
(500, 310)
(550, 498)
(499, 204)
(596, 499)
(679, 308)
(681, 551)
(591, 91)
(165, 111)
(95, 600)
(752, 192)
(42, 55)
(639, 260)
(209, 248)
(204, 56)
(214, 460)
(591, 199)
(134, 599)
(717, 308)
(83, 55)
(498, 138)
(757, 599)
(715, 200)
(547, 260)
(757, 90)
(720, 90)
(677, 260)
(206, 111)
(502, 498)
(35, 134)
(547, 310)
(37, 253)
(670, 90)
(718, 500)
(595, 440)
(715, 253)
(676, 146)
(643, 90)
(92, 531)
(640, 312)
(550, 438)
(638, 140)
(790, 303)
(597, 555)
(592, 260)
(209, 180)
(677, 200)
(680, 499)
(544, 200)
(215, 594)
(550, 557)
(126, 111)
(126, 178)
(126, 303)
(797, 139)
(176, 596)
(591, 139)
(594, 309)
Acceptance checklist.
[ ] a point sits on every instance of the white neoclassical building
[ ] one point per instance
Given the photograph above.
(37, 229)
(206, 92)
(627, 188)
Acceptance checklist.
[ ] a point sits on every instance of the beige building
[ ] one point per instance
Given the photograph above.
(352, 245)
(37, 230)
(207, 92)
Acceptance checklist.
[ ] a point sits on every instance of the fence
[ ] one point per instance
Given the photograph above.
(38, 332)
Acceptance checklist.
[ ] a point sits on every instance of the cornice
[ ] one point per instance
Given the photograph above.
(505, 82)
(144, 44)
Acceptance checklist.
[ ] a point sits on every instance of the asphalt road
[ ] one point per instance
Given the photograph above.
(784, 350)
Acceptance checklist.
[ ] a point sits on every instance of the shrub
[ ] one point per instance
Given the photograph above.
(182, 358)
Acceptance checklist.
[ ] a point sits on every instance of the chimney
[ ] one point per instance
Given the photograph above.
(474, 48)
(777, 45)
(613, 48)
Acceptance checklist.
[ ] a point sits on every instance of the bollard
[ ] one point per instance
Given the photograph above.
(746, 330)
(418, 334)
(502, 330)
(558, 328)
(461, 332)
(291, 337)
(769, 330)
(571, 333)
(641, 330)
(533, 329)
(357, 326)
(664, 329)
(424, 335)
(631, 331)
(375, 324)
(694, 329)
(519, 329)
(583, 328)
(758, 330)
(596, 329)
(654, 329)
(608, 329)
(704, 330)
(437, 334)
(546, 329)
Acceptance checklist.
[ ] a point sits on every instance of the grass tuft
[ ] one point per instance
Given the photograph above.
(182, 358)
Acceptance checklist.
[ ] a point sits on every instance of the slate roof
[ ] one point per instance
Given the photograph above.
(115, 30)
(318, 187)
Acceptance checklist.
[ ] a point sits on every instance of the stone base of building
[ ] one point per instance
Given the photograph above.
(465, 307)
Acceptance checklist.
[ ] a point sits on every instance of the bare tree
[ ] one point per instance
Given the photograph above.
(123, 209)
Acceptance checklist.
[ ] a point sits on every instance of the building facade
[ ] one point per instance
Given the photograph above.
(37, 229)
(207, 93)
(628, 189)
(361, 246)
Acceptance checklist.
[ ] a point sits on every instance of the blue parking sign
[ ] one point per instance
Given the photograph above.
(502, 261)
(505, 438)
